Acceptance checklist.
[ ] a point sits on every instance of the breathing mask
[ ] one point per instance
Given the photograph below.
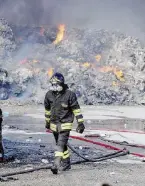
(56, 87)
(57, 82)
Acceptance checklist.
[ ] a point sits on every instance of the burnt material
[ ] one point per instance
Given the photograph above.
(102, 67)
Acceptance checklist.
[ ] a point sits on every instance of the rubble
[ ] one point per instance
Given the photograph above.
(102, 67)
(7, 43)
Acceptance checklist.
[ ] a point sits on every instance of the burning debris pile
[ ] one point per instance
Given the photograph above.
(101, 67)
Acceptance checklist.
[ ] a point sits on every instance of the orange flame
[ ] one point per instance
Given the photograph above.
(60, 34)
(114, 83)
(86, 64)
(118, 73)
(24, 61)
(35, 61)
(106, 69)
(98, 57)
(50, 72)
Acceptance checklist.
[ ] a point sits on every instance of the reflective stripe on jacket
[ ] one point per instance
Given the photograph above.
(60, 110)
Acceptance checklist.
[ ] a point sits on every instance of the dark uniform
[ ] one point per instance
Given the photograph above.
(61, 106)
(1, 146)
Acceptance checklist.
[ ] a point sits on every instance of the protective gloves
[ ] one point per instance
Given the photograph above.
(47, 125)
(80, 128)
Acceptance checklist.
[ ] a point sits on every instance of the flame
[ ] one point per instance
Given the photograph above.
(106, 69)
(118, 73)
(86, 64)
(50, 72)
(60, 34)
(114, 83)
(35, 61)
(42, 30)
(24, 61)
(98, 57)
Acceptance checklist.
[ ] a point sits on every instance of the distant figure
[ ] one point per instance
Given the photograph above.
(61, 106)
(1, 145)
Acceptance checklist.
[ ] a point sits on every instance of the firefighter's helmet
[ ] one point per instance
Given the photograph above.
(57, 78)
(57, 82)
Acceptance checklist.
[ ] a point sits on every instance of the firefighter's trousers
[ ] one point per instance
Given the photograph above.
(61, 152)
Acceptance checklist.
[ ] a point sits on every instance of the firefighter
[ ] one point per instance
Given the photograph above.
(61, 106)
(1, 146)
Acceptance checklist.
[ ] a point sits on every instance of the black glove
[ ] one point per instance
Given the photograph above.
(80, 128)
(47, 125)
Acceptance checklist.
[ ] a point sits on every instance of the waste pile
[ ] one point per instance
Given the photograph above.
(102, 67)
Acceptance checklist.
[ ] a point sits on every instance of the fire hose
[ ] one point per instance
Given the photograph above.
(108, 146)
(7, 176)
(122, 143)
(115, 142)
(101, 158)
(117, 130)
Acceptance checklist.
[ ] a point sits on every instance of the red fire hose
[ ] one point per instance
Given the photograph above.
(115, 130)
(118, 142)
(103, 144)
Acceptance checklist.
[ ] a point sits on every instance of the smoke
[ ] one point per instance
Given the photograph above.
(30, 54)
(126, 16)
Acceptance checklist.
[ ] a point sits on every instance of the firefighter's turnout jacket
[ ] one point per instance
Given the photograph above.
(60, 110)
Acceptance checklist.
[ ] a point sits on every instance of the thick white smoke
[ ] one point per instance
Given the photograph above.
(126, 16)
(29, 79)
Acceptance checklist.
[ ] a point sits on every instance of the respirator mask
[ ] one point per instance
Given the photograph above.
(56, 87)
(57, 82)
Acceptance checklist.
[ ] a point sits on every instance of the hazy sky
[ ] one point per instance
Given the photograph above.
(125, 15)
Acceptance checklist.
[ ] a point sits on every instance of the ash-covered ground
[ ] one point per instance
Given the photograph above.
(25, 138)
(102, 67)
